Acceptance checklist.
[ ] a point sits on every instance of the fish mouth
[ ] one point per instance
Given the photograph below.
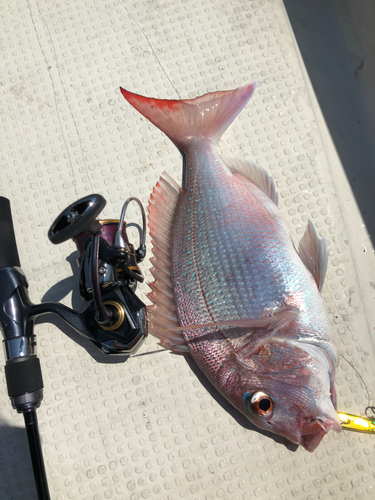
(313, 431)
(315, 426)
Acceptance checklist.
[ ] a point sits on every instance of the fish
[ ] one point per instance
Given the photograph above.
(230, 287)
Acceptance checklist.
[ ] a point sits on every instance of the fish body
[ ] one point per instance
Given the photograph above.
(229, 286)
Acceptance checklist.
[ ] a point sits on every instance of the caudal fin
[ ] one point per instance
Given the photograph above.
(207, 116)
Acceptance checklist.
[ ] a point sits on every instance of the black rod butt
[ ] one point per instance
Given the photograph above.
(31, 422)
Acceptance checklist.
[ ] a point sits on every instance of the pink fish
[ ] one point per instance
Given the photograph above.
(230, 287)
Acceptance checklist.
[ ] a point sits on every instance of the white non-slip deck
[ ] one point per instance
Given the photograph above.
(151, 427)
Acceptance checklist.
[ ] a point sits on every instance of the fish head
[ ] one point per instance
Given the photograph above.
(286, 387)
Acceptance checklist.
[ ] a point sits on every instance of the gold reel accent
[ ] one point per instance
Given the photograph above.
(121, 315)
(103, 222)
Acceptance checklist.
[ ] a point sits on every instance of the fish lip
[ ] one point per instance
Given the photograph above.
(314, 429)
(311, 430)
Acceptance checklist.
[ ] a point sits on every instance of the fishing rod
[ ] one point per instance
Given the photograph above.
(114, 319)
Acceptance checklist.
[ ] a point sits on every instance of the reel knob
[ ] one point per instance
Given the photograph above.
(79, 217)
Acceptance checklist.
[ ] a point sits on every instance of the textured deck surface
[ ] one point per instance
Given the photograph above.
(150, 427)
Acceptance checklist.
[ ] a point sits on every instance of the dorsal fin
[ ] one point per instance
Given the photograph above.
(313, 252)
(255, 174)
(162, 315)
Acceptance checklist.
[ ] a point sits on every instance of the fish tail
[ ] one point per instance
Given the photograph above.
(207, 116)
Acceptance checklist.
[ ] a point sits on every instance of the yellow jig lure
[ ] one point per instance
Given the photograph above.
(355, 423)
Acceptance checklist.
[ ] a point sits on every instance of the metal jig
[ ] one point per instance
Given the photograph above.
(356, 423)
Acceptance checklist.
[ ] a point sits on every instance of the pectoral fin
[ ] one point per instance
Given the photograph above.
(281, 318)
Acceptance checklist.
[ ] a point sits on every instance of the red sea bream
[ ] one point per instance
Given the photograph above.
(230, 287)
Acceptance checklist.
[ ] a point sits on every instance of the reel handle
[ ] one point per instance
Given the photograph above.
(77, 218)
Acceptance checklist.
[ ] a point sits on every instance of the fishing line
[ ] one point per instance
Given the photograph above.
(372, 409)
(148, 353)
(151, 47)
(349, 363)
(363, 382)
(49, 67)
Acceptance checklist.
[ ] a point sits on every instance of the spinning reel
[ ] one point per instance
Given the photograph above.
(114, 320)
(109, 273)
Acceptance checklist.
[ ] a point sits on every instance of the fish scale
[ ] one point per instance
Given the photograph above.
(241, 252)
(247, 304)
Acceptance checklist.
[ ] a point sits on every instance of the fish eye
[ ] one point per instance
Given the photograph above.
(259, 403)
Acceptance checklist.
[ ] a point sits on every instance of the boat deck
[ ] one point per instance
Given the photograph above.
(151, 427)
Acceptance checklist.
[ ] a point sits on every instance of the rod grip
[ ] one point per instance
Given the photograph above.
(8, 246)
(23, 375)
